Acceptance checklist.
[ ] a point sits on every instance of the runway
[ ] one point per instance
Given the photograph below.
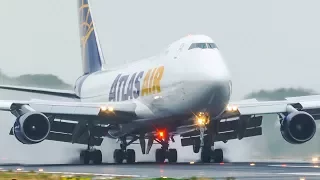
(260, 170)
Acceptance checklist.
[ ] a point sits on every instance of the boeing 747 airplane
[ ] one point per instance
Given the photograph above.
(183, 91)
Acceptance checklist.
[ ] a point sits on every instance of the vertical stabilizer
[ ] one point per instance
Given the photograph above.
(90, 47)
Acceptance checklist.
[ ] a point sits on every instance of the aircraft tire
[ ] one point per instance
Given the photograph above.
(131, 156)
(96, 157)
(218, 156)
(206, 155)
(118, 156)
(172, 155)
(160, 155)
(85, 157)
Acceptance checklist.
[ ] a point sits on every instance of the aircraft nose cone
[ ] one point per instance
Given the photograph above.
(214, 68)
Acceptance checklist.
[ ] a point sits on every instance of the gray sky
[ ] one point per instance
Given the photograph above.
(267, 44)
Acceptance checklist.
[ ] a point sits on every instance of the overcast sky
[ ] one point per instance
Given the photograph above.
(267, 44)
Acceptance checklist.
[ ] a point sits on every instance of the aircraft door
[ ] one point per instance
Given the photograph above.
(176, 56)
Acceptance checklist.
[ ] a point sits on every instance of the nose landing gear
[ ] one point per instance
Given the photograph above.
(206, 142)
(207, 154)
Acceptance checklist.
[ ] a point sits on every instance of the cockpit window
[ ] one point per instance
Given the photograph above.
(212, 46)
(203, 46)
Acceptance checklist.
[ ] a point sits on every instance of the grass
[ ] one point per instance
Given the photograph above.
(11, 175)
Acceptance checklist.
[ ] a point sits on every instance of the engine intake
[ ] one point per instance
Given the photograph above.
(298, 127)
(31, 128)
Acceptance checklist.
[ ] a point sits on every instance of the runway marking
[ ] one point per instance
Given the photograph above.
(281, 165)
(302, 174)
(94, 174)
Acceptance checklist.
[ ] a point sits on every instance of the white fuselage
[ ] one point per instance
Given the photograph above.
(179, 81)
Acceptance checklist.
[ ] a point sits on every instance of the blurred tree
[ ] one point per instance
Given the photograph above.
(35, 80)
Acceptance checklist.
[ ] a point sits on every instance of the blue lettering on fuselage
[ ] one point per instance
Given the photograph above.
(125, 87)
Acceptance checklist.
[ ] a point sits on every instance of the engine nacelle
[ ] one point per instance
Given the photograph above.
(31, 128)
(298, 127)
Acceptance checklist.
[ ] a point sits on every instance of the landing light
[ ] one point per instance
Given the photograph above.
(105, 108)
(315, 159)
(232, 108)
(157, 97)
(110, 109)
(201, 121)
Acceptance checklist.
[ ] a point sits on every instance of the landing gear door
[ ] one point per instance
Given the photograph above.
(176, 56)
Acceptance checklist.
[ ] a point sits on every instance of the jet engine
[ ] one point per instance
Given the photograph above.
(298, 127)
(31, 128)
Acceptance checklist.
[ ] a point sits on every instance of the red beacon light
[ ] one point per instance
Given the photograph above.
(161, 134)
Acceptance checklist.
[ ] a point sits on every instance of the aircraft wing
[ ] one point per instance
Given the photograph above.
(46, 91)
(69, 119)
(243, 119)
(73, 110)
(310, 104)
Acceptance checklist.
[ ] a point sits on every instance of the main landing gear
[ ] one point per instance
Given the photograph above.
(93, 155)
(207, 154)
(164, 152)
(90, 154)
(123, 153)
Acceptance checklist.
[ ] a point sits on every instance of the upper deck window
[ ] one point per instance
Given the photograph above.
(203, 46)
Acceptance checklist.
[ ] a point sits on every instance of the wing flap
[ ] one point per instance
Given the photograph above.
(225, 126)
(223, 136)
(53, 136)
(62, 127)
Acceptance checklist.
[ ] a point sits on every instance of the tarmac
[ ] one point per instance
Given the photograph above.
(243, 170)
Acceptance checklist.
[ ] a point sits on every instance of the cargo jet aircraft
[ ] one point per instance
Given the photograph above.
(183, 91)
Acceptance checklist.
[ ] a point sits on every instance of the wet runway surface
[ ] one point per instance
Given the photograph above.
(243, 170)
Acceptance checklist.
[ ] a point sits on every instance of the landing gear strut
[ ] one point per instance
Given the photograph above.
(206, 142)
(90, 154)
(164, 152)
(123, 153)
